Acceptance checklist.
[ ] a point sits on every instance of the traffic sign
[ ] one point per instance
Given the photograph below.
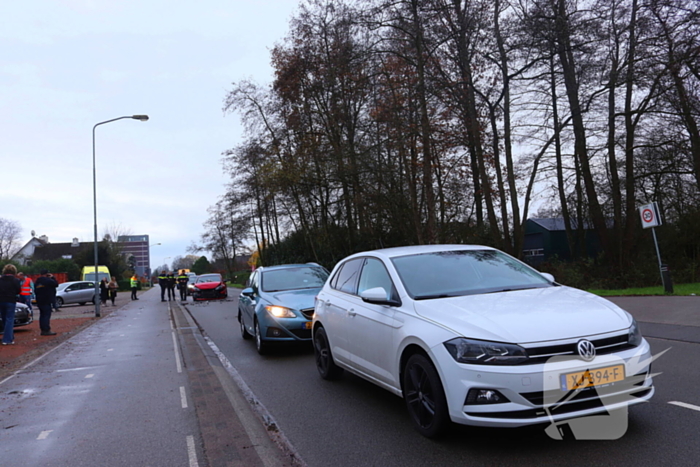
(650, 215)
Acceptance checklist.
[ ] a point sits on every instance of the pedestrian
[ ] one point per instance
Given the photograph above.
(104, 291)
(163, 283)
(171, 286)
(10, 288)
(182, 281)
(113, 286)
(134, 286)
(27, 290)
(45, 288)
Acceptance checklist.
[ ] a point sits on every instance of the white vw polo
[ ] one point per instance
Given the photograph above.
(471, 335)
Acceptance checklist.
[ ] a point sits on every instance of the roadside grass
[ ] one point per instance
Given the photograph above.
(678, 289)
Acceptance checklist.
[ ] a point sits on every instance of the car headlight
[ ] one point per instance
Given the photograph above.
(220, 287)
(485, 353)
(195, 288)
(635, 335)
(280, 312)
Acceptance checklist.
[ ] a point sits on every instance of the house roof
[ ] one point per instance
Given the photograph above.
(557, 223)
(52, 251)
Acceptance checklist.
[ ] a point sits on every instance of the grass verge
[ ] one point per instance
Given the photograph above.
(678, 289)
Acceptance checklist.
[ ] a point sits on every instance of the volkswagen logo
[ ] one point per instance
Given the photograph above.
(586, 350)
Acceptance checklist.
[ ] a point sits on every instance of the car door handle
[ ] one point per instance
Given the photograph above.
(351, 312)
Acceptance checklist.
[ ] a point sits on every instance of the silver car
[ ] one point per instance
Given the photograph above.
(75, 292)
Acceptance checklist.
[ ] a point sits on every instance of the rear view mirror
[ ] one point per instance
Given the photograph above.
(378, 296)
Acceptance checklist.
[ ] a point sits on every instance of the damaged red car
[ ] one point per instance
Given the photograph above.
(209, 287)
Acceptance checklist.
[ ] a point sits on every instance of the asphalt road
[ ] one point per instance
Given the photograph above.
(351, 422)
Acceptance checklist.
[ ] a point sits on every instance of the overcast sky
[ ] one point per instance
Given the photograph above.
(69, 64)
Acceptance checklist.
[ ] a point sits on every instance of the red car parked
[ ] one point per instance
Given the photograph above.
(209, 287)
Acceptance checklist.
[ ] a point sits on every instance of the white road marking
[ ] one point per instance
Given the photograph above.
(44, 434)
(90, 375)
(110, 350)
(191, 452)
(177, 354)
(183, 397)
(686, 406)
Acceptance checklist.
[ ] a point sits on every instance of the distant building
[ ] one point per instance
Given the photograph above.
(138, 247)
(546, 239)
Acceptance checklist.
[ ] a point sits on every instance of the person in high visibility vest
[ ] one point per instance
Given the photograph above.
(27, 290)
(182, 281)
(134, 286)
(163, 283)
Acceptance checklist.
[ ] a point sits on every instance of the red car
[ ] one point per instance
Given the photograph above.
(209, 287)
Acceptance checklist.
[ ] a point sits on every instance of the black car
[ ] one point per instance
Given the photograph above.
(23, 316)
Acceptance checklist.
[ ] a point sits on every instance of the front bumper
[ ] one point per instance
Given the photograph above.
(211, 294)
(284, 329)
(535, 393)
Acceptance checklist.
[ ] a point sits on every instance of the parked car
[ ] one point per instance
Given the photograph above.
(190, 283)
(471, 335)
(209, 287)
(23, 316)
(79, 292)
(278, 305)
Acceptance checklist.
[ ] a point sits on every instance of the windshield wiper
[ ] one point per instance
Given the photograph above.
(430, 297)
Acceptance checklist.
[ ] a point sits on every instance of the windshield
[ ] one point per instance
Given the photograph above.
(209, 278)
(293, 278)
(90, 276)
(465, 272)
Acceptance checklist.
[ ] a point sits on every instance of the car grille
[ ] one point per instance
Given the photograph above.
(603, 346)
(209, 293)
(308, 313)
(538, 398)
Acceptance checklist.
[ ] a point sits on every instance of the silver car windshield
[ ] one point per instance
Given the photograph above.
(293, 278)
(464, 272)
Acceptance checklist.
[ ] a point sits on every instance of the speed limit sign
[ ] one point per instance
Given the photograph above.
(650, 215)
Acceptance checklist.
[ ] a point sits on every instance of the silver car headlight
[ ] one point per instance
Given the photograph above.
(635, 335)
(280, 311)
(478, 352)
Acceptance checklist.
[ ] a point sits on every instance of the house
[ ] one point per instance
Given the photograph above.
(546, 238)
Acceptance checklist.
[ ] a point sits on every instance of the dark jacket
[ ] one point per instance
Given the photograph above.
(9, 288)
(45, 290)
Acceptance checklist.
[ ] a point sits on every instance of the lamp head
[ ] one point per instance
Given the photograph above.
(143, 118)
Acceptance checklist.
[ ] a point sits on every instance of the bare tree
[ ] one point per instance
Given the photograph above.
(10, 232)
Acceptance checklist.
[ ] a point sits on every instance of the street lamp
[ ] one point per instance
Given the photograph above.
(142, 118)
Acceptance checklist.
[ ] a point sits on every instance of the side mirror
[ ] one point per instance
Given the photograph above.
(248, 292)
(548, 276)
(378, 296)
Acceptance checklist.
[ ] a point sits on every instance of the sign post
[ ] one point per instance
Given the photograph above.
(650, 219)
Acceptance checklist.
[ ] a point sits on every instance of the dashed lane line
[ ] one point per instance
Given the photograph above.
(183, 397)
(44, 434)
(192, 452)
(686, 406)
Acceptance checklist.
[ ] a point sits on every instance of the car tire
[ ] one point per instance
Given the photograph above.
(59, 302)
(425, 396)
(82, 303)
(93, 300)
(244, 332)
(259, 344)
(324, 358)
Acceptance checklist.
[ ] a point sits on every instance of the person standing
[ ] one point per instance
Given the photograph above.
(45, 288)
(27, 290)
(113, 286)
(163, 283)
(171, 286)
(134, 286)
(9, 290)
(104, 292)
(182, 281)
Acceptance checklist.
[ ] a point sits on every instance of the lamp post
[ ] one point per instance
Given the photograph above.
(142, 118)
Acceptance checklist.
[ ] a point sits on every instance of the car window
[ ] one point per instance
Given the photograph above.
(72, 287)
(253, 281)
(209, 278)
(464, 272)
(292, 279)
(346, 278)
(374, 274)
